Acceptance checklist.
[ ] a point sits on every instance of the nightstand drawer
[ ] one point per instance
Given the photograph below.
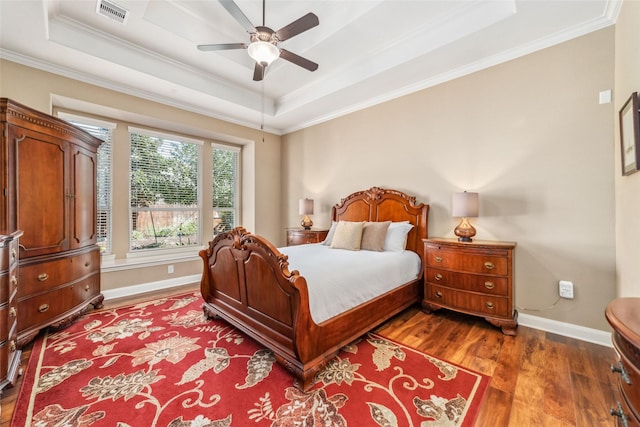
(469, 282)
(303, 237)
(466, 262)
(468, 301)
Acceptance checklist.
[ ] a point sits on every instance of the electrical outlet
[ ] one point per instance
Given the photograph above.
(170, 269)
(566, 289)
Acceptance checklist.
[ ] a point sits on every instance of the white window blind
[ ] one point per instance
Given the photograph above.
(104, 131)
(164, 191)
(225, 188)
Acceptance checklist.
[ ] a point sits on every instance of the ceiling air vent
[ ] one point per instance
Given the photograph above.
(112, 10)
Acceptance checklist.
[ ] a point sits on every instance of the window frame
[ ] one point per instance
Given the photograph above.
(170, 251)
(236, 191)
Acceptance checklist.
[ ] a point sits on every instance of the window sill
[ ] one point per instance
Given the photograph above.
(136, 260)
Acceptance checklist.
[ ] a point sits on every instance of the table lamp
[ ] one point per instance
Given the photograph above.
(465, 205)
(306, 209)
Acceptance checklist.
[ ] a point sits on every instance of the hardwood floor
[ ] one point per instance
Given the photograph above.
(538, 378)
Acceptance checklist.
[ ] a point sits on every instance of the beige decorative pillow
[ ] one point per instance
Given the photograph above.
(373, 235)
(348, 235)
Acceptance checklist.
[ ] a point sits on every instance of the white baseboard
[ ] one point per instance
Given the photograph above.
(570, 330)
(133, 290)
(595, 336)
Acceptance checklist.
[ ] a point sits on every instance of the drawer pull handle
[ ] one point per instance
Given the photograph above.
(42, 277)
(12, 346)
(489, 265)
(623, 373)
(43, 308)
(13, 254)
(86, 288)
(489, 305)
(489, 285)
(438, 294)
(14, 280)
(13, 312)
(438, 259)
(620, 413)
(87, 263)
(438, 276)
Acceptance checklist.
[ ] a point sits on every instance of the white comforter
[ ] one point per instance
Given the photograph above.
(339, 279)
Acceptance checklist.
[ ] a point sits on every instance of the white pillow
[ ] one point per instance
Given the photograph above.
(332, 230)
(348, 235)
(396, 239)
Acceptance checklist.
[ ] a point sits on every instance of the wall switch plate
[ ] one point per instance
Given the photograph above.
(170, 269)
(604, 97)
(566, 289)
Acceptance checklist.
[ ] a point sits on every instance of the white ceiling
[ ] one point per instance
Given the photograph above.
(368, 51)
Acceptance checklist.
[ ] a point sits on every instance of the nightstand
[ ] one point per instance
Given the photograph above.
(301, 236)
(471, 277)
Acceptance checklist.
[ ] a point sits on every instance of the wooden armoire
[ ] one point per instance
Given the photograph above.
(49, 192)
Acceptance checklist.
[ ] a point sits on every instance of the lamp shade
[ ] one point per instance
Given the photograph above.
(263, 53)
(465, 205)
(306, 207)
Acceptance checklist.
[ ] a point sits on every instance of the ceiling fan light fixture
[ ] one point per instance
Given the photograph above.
(264, 53)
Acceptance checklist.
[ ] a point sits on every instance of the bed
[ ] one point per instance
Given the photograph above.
(247, 282)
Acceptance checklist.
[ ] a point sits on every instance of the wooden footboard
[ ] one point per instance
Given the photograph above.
(247, 282)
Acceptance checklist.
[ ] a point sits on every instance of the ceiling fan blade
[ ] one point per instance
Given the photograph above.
(298, 60)
(221, 46)
(298, 26)
(258, 72)
(235, 11)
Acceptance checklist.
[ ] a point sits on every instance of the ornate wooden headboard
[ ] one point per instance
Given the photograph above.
(379, 204)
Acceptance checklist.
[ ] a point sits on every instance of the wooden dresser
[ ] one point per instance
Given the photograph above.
(49, 192)
(301, 236)
(474, 278)
(9, 352)
(623, 314)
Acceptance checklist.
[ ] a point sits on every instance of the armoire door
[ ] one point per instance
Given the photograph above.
(43, 192)
(84, 196)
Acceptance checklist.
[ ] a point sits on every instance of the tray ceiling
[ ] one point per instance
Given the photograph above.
(368, 51)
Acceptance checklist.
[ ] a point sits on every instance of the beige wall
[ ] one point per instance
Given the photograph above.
(42, 91)
(627, 187)
(529, 135)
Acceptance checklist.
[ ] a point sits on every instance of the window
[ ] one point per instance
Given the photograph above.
(225, 188)
(104, 131)
(164, 183)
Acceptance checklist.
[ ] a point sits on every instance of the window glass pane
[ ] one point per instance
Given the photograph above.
(225, 188)
(104, 133)
(163, 192)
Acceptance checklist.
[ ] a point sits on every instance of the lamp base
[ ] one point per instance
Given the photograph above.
(464, 231)
(306, 222)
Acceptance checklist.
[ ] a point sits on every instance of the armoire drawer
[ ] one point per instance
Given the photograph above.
(4, 321)
(4, 359)
(42, 276)
(44, 307)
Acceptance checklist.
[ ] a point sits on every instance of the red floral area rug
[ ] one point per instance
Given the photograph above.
(162, 363)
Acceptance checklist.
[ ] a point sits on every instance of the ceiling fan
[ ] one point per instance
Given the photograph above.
(263, 46)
